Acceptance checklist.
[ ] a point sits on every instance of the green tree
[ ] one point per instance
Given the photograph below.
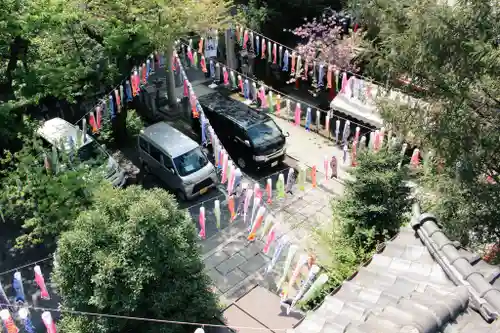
(43, 202)
(376, 200)
(133, 253)
(451, 52)
(253, 14)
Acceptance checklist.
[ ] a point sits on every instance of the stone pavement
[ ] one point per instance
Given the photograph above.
(311, 148)
(236, 265)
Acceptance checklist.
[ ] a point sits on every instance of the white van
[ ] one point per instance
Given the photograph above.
(57, 132)
(176, 159)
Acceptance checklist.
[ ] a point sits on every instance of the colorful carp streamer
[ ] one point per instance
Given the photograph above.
(269, 190)
(256, 204)
(298, 111)
(313, 176)
(3, 298)
(288, 262)
(17, 284)
(8, 322)
(231, 207)
(277, 253)
(256, 224)
(49, 323)
(24, 316)
(290, 180)
(305, 286)
(40, 281)
(415, 158)
(201, 220)
(280, 186)
(217, 213)
(268, 223)
(298, 267)
(270, 239)
(246, 204)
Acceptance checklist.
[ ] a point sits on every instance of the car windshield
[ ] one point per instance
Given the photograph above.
(190, 162)
(263, 132)
(92, 154)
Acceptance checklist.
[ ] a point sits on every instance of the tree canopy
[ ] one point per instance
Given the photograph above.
(451, 54)
(133, 253)
(323, 41)
(53, 50)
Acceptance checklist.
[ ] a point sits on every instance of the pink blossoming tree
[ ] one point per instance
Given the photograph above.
(323, 43)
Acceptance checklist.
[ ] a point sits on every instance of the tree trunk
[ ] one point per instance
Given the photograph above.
(172, 100)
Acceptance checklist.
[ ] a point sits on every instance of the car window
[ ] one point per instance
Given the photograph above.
(93, 154)
(167, 161)
(240, 133)
(262, 132)
(155, 153)
(190, 162)
(45, 144)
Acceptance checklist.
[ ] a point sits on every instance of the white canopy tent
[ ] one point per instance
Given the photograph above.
(358, 100)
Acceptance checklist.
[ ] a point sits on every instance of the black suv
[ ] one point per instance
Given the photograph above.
(252, 138)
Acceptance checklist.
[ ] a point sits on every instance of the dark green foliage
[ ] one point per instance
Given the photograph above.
(371, 211)
(133, 253)
(452, 52)
(376, 200)
(43, 202)
(467, 210)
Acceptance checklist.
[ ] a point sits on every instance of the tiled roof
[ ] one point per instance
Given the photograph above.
(407, 289)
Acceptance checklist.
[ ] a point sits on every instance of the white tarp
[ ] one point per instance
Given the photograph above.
(358, 100)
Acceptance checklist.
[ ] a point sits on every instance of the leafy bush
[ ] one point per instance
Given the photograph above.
(337, 257)
(376, 202)
(109, 134)
(133, 253)
(134, 124)
(373, 208)
(44, 203)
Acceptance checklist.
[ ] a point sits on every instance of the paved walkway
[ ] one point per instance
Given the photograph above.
(237, 266)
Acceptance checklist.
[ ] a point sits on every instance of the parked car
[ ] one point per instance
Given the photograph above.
(252, 138)
(177, 160)
(57, 132)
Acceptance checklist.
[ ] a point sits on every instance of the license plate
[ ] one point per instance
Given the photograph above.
(274, 164)
(204, 190)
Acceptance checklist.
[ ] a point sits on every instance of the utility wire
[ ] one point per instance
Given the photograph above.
(27, 265)
(284, 95)
(152, 320)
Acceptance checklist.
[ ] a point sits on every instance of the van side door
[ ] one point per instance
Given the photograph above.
(241, 142)
(171, 177)
(155, 161)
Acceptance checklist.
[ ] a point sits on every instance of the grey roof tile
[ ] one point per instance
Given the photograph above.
(375, 324)
(394, 250)
(490, 272)
(404, 289)
(333, 327)
(399, 265)
(397, 315)
(472, 258)
(353, 311)
(413, 253)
